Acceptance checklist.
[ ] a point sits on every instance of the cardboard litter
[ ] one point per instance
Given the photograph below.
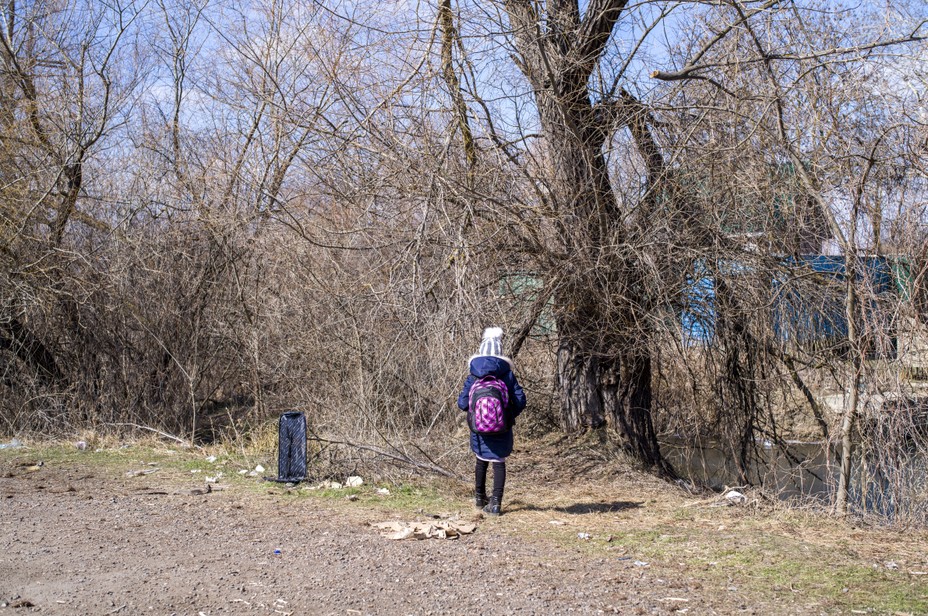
(438, 529)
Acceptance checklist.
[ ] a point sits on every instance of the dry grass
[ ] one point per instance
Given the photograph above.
(565, 495)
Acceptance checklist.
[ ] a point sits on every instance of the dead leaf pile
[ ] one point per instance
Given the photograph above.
(439, 529)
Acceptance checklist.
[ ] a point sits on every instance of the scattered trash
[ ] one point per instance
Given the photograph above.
(244, 471)
(557, 522)
(354, 482)
(257, 472)
(441, 529)
(891, 565)
(13, 444)
(734, 497)
(383, 491)
(919, 572)
(81, 445)
(583, 536)
(277, 552)
(140, 473)
(211, 459)
(625, 557)
(34, 467)
(214, 479)
(352, 497)
(641, 563)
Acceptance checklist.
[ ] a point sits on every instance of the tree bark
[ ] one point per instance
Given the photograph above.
(599, 389)
(603, 360)
(849, 419)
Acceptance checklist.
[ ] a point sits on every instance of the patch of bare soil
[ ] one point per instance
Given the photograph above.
(76, 538)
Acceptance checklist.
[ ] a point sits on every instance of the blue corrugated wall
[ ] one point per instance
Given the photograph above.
(807, 298)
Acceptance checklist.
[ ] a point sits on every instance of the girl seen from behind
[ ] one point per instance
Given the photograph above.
(493, 399)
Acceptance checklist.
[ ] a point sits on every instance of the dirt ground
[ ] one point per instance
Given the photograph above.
(83, 536)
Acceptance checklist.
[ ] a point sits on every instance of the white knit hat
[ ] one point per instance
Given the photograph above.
(492, 345)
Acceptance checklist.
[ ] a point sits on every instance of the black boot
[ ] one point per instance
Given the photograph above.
(480, 500)
(480, 483)
(499, 484)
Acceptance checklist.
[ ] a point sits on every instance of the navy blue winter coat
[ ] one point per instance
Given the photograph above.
(493, 446)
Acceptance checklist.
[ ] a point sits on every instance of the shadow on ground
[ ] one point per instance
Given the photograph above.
(577, 508)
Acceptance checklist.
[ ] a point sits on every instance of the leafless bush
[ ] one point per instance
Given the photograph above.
(211, 216)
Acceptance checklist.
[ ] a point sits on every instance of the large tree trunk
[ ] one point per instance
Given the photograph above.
(603, 356)
(607, 383)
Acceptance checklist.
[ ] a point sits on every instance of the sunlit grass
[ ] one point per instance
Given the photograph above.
(776, 556)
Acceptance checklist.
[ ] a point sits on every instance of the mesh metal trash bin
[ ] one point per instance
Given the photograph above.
(291, 447)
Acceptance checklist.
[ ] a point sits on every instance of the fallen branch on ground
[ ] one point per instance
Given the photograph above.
(396, 457)
(183, 442)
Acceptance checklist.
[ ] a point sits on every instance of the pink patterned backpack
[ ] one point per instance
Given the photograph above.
(486, 413)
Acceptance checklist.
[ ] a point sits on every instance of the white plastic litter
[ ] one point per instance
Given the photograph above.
(735, 497)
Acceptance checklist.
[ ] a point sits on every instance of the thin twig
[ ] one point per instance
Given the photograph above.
(159, 432)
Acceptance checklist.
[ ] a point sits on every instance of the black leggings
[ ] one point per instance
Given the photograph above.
(499, 478)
